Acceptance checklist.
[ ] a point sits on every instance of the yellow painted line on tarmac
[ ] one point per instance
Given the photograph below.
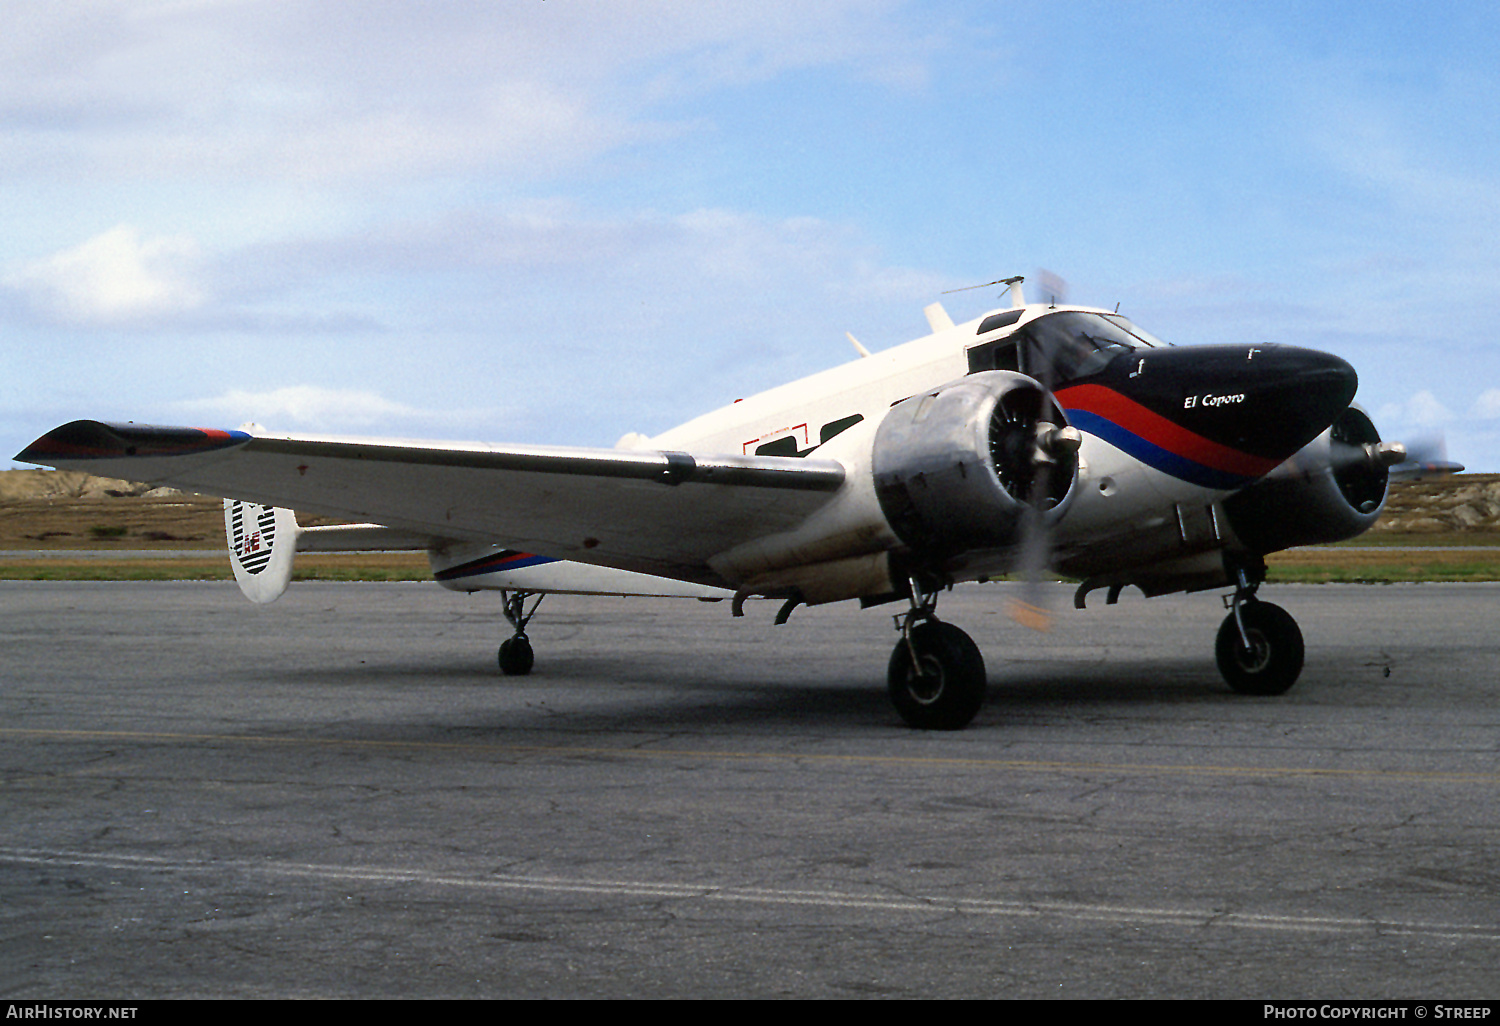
(581, 751)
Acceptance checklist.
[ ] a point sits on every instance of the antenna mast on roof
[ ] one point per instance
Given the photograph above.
(1017, 298)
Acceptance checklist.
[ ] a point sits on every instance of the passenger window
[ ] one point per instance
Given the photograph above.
(837, 427)
(785, 446)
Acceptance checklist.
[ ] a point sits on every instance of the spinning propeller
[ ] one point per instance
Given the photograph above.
(1423, 456)
(1053, 448)
(1362, 464)
(1044, 455)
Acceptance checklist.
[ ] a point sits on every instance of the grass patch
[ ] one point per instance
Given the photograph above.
(1329, 564)
(1404, 539)
(1319, 565)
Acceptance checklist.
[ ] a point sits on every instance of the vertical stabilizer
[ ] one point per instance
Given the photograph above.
(262, 541)
(937, 318)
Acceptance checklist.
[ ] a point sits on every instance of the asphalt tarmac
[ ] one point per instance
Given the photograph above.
(337, 796)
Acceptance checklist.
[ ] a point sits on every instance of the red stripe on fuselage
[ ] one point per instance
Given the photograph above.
(1161, 432)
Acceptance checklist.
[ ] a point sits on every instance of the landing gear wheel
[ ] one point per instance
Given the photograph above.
(1273, 661)
(516, 657)
(943, 687)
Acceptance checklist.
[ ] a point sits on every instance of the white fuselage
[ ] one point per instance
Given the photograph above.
(1115, 496)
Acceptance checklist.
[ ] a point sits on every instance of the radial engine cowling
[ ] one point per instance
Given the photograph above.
(1332, 489)
(957, 469)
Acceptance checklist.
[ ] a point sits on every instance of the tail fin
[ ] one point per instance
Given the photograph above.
(262, 541)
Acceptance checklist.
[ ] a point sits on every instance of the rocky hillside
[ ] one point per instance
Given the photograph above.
(71, 484)
(63, 509)
(1462, 503)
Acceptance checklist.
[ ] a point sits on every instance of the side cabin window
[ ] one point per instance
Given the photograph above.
(1000, 353)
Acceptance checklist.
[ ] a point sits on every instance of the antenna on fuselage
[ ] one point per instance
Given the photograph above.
(1017, 298)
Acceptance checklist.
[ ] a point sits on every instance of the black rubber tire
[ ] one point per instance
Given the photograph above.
(947, 692)
(1274, 661)
(516, 657)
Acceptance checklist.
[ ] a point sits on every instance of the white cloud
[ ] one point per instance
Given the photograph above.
(1422, 410)
(324, 90)
(338, 411)
(1431, 431)
(114, 278)
(491, 258)
(1487, 406)
(314, 408)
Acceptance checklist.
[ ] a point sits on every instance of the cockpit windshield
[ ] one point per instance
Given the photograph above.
(1136, 330)
(1060, 347)
(1066, 346)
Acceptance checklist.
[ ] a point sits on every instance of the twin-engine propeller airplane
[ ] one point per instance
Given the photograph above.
(1035, 436)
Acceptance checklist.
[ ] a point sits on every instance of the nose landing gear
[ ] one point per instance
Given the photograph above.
(1259, 648)
(936, 677)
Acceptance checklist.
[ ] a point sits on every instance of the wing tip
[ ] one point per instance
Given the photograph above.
(93, 440)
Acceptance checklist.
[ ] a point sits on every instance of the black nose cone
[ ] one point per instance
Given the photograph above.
(1267, 401)
(1216, 416)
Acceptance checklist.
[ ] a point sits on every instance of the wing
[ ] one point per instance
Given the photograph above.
(662, 513)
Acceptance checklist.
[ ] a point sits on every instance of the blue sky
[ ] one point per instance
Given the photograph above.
(562, 220)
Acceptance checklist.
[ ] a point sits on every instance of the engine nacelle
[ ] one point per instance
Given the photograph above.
(944, 479)
(1332, 489)
(957, 469)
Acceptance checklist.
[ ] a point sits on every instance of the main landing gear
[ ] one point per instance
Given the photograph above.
(516, 657)
(1259, 648)
(936, 678)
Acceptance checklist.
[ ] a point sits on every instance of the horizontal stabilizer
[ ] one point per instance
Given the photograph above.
(937, 317)
(360, 538)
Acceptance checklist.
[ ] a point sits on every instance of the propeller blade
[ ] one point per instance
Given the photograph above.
(1371, 454)
(1054, 287)
(1052, 444)
(1424, 456)
(1046, 445)
(1030, 608)
(1027, 614)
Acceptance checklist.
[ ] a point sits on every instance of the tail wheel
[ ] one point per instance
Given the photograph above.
(516, 657)
(936, 678)
(1273, 660)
